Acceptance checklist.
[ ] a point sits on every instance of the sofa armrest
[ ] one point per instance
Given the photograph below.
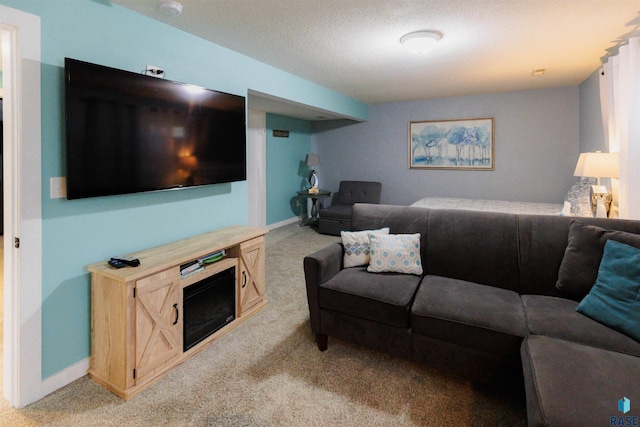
(319, 267)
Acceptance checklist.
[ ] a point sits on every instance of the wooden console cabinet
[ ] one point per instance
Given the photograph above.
(136, 312)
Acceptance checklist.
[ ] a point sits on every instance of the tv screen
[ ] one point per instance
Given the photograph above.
(128, 133)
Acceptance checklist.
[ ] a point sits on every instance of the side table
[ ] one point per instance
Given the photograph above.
(314, 203)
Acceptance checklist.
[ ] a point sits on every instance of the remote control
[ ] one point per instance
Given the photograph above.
(133, 262)
(116, 264)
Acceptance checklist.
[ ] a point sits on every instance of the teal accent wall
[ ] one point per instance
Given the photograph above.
(80, 232)
(286, 168)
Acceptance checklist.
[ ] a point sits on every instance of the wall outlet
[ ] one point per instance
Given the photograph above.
(154, 71)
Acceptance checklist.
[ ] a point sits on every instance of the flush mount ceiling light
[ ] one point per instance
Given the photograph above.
(170, 7)
(419, 42)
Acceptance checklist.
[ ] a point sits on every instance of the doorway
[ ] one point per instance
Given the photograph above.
(1, 218)
(5, 321)
(22, 334)
(3, 52)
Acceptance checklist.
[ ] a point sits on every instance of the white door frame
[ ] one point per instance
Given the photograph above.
(256, 168)
(22, 367)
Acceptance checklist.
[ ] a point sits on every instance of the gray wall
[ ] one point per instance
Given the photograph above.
(591, 129)
(536, 137)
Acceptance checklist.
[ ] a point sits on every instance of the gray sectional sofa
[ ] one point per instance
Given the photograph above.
(496, 303)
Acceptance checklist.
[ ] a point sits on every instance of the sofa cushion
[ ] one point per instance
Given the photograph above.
(614, 300)
(579, 267)
(356, 246)
(479, 247)
(384, 298)
(542, 241)
(468, 314)
(570, 384)
(395, 253)
(557, 317)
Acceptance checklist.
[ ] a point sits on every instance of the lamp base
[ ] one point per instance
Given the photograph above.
(600, 200)
(601, 210)
(313, 179)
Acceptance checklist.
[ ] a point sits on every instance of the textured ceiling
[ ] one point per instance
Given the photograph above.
(352, 46)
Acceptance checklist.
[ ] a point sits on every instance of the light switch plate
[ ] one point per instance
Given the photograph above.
(58, 187)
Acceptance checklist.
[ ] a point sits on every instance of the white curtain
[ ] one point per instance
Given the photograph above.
(620, 100)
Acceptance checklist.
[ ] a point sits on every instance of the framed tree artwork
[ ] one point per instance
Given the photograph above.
(452, 144)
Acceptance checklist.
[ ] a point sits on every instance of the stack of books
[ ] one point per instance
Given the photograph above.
(198, 264)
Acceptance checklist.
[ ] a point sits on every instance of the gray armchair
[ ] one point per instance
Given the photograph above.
(337, 217)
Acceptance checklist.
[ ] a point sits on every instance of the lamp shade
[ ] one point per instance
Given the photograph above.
(312, 160)
(597, 165)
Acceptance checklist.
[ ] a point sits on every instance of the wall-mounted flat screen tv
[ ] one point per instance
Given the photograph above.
(128, 133)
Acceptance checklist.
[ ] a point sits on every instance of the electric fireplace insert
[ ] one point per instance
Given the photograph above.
(208, 306)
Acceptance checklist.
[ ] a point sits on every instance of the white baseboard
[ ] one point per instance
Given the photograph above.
(283, 223)
(65, 377)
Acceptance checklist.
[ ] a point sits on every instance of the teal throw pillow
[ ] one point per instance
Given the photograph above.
(614, 300)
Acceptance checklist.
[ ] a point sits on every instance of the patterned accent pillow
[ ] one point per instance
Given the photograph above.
(398, 253)
(356, 246)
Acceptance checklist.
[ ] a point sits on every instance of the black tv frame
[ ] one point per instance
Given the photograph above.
(129, 133)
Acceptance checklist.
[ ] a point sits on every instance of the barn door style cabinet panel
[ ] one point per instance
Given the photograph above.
(251, 273)
(158, 326)
(146, 320)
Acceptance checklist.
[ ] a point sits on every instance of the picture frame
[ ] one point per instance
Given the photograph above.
(460, 144)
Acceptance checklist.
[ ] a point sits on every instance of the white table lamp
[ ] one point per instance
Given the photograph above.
(311, 161)
(598, 165)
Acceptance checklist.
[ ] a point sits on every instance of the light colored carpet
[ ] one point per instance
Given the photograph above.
(268, 372)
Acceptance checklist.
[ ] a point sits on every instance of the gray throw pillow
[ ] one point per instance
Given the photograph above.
(579, 267)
